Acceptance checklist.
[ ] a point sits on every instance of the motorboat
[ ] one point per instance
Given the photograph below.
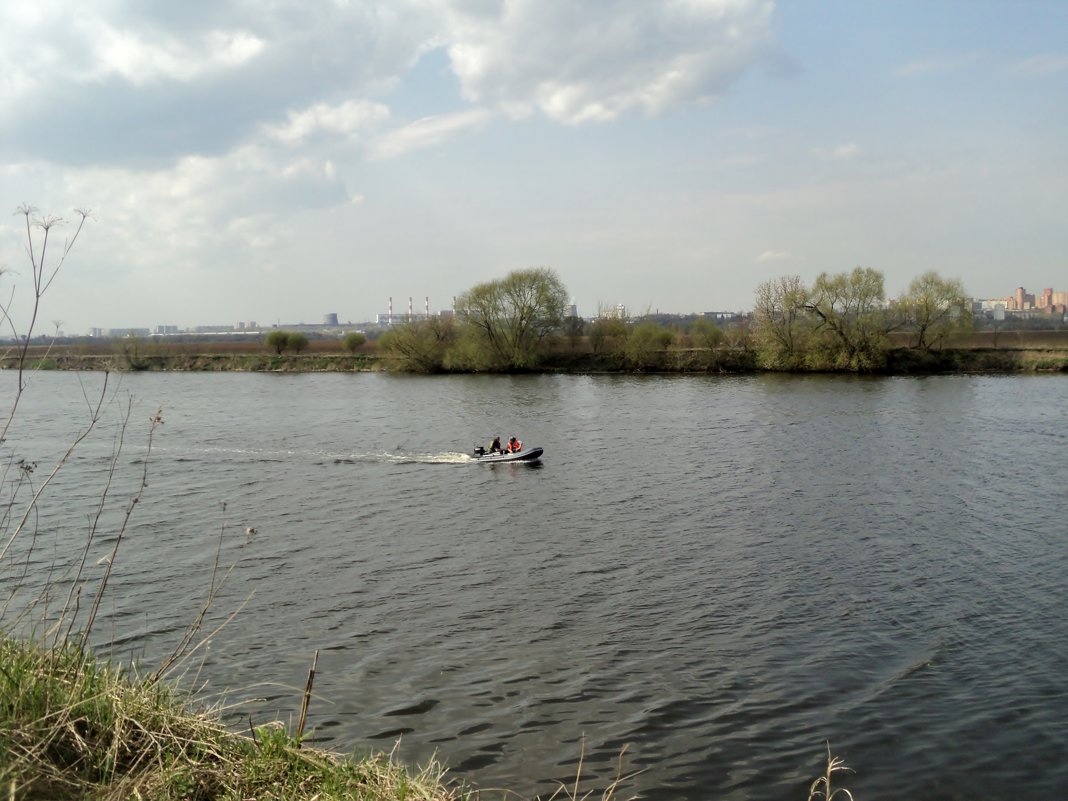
(525, 455)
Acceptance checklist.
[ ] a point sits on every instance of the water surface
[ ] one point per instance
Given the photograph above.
(722, 573)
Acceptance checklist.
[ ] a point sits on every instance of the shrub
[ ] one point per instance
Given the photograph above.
(354, 341)
(419, 347)
(277, 341)
(298, 342)
(647, 345)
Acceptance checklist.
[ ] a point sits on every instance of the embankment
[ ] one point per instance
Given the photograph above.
(73, 728)
(1013, 354)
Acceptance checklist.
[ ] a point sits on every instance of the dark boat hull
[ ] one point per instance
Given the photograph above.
(525, 455)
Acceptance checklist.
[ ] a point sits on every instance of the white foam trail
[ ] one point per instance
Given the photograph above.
(447, 457)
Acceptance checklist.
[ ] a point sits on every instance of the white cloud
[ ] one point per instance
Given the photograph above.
(578, 62)
(26, 56)
(155, 83)
(45, 42)
(743, 160)
(426, 132)
(194, 210)
(934, 65)
(1042, 64)
(776, 256)
(847, 151)
(345, 119)
(142, 60)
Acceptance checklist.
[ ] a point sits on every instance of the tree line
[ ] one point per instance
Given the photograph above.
(508, 324)
(280, 341)
(841, 322)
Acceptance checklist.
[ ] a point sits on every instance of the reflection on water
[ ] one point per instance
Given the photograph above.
(724, 573)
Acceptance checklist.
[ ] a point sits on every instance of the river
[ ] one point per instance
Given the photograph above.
(723, 574)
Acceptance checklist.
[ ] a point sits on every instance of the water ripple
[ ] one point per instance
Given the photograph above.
(721, 574)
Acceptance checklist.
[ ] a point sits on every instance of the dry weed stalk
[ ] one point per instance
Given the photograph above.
(574, 793)
(43, 275)
(821, 787)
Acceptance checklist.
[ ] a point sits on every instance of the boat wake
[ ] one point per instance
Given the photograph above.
(244, 456)
(446, 457)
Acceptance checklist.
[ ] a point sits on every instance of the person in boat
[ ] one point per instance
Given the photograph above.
(514, 445)
(495, 446)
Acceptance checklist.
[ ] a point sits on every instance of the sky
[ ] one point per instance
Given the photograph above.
(276, 161)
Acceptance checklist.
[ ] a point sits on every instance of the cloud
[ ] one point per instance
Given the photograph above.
(776, 256)
(346, 120)
(141, 61)
(134, 84)
(194, 208)
(843, 152)
(743, 160)
(426, 132)
(1042, 64)
(933, 65)
(210, 136)
(580, 62)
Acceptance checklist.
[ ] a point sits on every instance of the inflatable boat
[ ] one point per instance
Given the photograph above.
(525, 455)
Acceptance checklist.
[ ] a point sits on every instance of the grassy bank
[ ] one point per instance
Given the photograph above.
(900, 361)
(73, 728)
(200, 362)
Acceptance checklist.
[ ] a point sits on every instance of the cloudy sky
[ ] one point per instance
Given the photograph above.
(276, 160)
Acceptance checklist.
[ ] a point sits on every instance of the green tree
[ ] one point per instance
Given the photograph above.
(419, 347)
(277, 341)
(936, 307)
(608, 334)
(298, 342)
(782, 322)
(354, 341)
(509, 322)
(706, 334)
(646, 346)
(852, 320)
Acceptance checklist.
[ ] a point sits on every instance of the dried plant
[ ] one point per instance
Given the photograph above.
(821, 787)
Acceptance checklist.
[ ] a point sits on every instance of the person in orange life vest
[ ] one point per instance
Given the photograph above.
(514, 445)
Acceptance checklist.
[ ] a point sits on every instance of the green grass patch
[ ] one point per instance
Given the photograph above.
(75, 728)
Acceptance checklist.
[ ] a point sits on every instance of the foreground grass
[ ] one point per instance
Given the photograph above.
(74, 728)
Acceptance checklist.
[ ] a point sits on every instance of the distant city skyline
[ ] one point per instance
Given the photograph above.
(1019, 300)
(258, 164)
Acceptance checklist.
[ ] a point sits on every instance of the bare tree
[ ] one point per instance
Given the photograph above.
(782, 322)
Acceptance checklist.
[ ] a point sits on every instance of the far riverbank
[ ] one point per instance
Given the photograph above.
(981, 353)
